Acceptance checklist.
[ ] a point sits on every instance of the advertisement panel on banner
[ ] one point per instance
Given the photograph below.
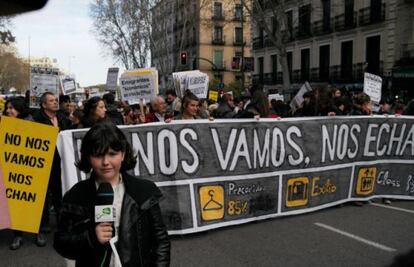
(26, 159)
(227, 172)
(138, 85)
(112, 79)
(372, 86)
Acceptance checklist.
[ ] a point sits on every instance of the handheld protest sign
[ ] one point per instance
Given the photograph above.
(43, 80)
(112, 79)
(4, 208)
(138, 84)
(372, 86)
(26, 160)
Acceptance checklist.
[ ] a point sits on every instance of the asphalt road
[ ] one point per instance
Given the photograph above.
(371, 235)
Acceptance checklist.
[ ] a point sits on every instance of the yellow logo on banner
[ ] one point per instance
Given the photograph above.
(366, 181)
(212, 202)
(297, 193)
(213, 95)
(26, 157)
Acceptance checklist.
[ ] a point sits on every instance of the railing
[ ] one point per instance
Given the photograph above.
(258, 43)
(219, 66)
(302, 32)
(369, 15)
(343, 22)
(218, 41)
(322, 27)
(218, 17)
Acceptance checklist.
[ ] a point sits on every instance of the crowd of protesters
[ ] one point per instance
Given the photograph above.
(63, 113)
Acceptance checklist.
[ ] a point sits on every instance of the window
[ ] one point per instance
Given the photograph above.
(238, 12)
(261, 66)
(324, 61)
(218, 58)
(218, 10)
(238, 35)
(304, 64)
(372, 57)
(346, 60)
(218, 33)
(326, 5)
(274, 69)
(304, 20)
(289, 56)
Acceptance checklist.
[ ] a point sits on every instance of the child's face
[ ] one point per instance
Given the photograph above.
(107, 166)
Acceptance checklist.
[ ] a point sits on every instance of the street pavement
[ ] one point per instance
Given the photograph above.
(371, 235)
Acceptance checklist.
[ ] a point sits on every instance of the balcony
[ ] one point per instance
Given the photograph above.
(343, 23)
(238, 41)
(218, 41)
(322, 27)
(218, 17)
(370, 15)
(258, 43)
(302, 32)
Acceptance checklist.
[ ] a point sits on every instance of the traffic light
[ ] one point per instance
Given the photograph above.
(183, 57)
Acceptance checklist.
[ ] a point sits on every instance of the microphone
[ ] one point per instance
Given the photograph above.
(104, 209)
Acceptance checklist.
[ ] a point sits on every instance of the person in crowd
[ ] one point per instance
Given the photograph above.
(339, 107)
(16, 107)
(158, 110)
(203, 112)
(362, 105)
(49, 115)
(309, 107)
(173, 103)
(142, 236)
(238, 105)
(75, 118)
(112, 110)
(258, 106)
(385, 107)
(94, 111)
(225, 109)
(65, 105)
(280, 108)
(409, 109)
(189, 107)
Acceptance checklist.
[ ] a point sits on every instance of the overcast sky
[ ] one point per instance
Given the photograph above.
(63, 30)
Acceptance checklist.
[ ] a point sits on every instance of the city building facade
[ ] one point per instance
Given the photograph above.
(336, 41)
(211, 36)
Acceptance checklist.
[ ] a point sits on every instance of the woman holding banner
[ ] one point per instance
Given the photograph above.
(138, 226)
(189, 107)
(16, 107)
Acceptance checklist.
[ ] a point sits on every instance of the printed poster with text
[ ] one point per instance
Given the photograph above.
(27, 150)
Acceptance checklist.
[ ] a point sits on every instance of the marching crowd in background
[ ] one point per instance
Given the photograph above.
(63, 113)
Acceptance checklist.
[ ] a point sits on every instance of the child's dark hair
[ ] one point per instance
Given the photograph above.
(98, 140)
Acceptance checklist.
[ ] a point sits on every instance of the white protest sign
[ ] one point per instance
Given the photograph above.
(112, 79)
(298, 99)
(372, 86)
(137, 85)
(197, 83)
(41, 83)
(276, 97)
(180, 81)
(68, 86)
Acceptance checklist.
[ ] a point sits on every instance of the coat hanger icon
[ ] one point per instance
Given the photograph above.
(212, 204)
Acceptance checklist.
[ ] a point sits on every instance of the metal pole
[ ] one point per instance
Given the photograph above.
(242, 47)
